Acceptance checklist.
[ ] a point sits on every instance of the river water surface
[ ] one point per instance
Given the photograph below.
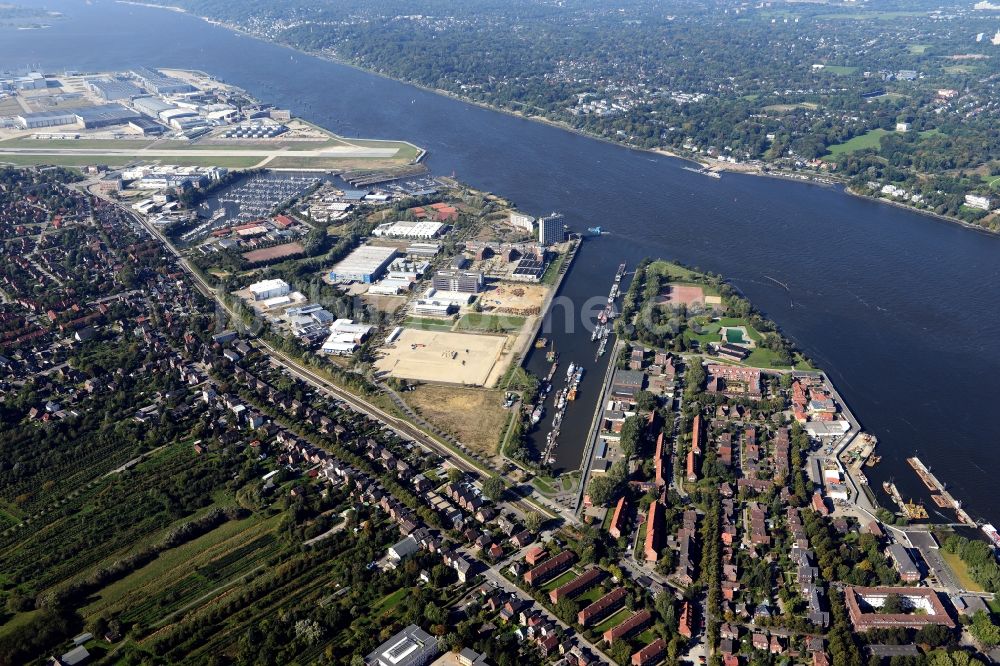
(900, 309)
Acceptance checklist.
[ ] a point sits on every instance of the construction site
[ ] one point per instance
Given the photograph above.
(440, 356)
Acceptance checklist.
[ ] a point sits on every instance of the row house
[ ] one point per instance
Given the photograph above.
(549, 568)
(654, 532)
(602, 608)
(651, 654)
(618, 519)
(637, 622)
(577, 586)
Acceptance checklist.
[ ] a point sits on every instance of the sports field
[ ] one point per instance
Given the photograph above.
(440, 356)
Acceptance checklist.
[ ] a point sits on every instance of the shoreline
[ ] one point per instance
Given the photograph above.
(711, 164)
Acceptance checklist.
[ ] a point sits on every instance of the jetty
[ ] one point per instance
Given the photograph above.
(939, 493)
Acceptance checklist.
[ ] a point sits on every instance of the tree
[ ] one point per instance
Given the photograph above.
(601, 489)
(645, 401)
(621, 651)
(493, 488)
(455, 475)
(567, 610)
(893, 605)
(984, 631)
(533, 521)
(631, 432)
(664, 604)
(934, 635)
(954, 658)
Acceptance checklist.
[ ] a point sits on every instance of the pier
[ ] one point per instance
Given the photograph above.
(940, 496)
(595, 428)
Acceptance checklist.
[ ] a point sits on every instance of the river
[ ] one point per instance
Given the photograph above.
(898, 308)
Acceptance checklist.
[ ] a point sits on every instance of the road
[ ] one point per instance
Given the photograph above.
(497, 580)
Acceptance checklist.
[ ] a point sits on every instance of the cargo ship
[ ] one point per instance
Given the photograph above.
(991, 534)
(939, 491)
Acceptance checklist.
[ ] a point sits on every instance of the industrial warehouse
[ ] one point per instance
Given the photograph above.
(366, 264)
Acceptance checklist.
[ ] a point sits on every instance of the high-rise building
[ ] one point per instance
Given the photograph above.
(551, 230)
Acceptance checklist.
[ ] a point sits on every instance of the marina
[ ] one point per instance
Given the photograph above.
(603, 329)
(565, 395)
(913, 266)
(254, 197)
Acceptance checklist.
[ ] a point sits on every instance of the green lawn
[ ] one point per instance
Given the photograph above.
(390, 601)
(477, 321)
(138, 144)
(961, 571)
(918, 49)
(839, 70)
(673, 272)
(19, 620)
(613, 621)
(544, 485)
(646, 637)
(7, 517)
(869, 139)
(428, 324)
(864, 16)
(121, 160)
(559, 581)
(591, 595)
(784, 108)
(552, 271)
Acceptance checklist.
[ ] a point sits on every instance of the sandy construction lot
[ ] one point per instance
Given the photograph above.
(513, 298)
(439, 356)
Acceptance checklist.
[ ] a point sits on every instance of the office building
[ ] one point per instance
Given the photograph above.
(465, 282)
